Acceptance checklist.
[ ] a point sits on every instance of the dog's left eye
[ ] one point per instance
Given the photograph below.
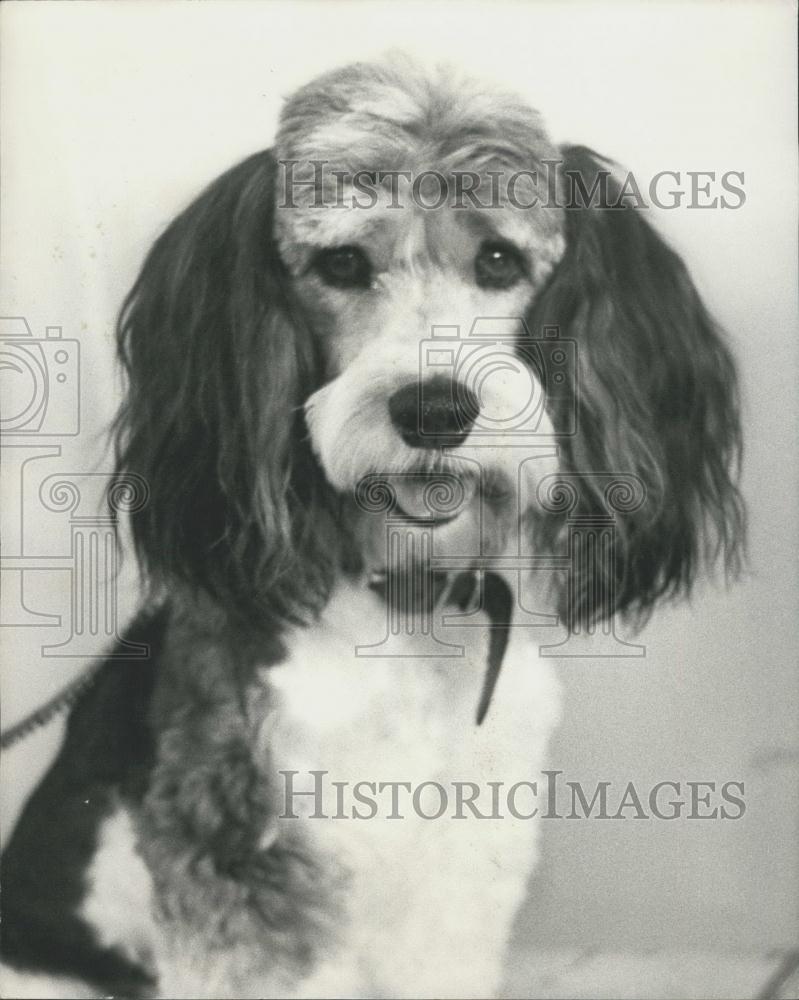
(498, 265)
(344, 267)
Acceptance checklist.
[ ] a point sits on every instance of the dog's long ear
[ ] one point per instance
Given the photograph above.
(218, 366)
(656, 395)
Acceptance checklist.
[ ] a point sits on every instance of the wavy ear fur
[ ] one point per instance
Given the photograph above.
(656, 397)
(218, 366)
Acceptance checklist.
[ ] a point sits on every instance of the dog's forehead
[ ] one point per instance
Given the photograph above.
(366, 109)
(362, 146)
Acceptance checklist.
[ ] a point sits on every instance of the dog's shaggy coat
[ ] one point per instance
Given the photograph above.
(265, 342)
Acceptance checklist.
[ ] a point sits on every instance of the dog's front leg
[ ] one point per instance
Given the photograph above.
(238, 915)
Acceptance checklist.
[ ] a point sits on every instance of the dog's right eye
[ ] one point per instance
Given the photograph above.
(498, 265)
(344, 267)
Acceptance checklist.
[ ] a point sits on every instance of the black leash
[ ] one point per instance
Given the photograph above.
(460, 591)
(57, 705)
(499, 608)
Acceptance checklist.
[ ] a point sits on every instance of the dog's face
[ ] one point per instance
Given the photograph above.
(400, 218)
(320, 315)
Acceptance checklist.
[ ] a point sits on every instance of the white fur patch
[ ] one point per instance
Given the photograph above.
(118, 904)
(431, 901)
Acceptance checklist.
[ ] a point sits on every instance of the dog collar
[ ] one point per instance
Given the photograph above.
(460, 590)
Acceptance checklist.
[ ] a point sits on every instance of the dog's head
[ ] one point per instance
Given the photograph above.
(405, 286)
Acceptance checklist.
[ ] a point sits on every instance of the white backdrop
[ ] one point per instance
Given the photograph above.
(115, 114)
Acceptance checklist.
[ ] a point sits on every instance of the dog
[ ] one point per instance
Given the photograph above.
(327, 354)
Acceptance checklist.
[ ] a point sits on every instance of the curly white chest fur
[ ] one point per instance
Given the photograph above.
(431, 900)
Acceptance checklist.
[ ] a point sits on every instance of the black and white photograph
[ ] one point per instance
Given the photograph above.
(399, 588)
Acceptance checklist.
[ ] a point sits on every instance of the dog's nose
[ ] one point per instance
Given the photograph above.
(433, 413)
